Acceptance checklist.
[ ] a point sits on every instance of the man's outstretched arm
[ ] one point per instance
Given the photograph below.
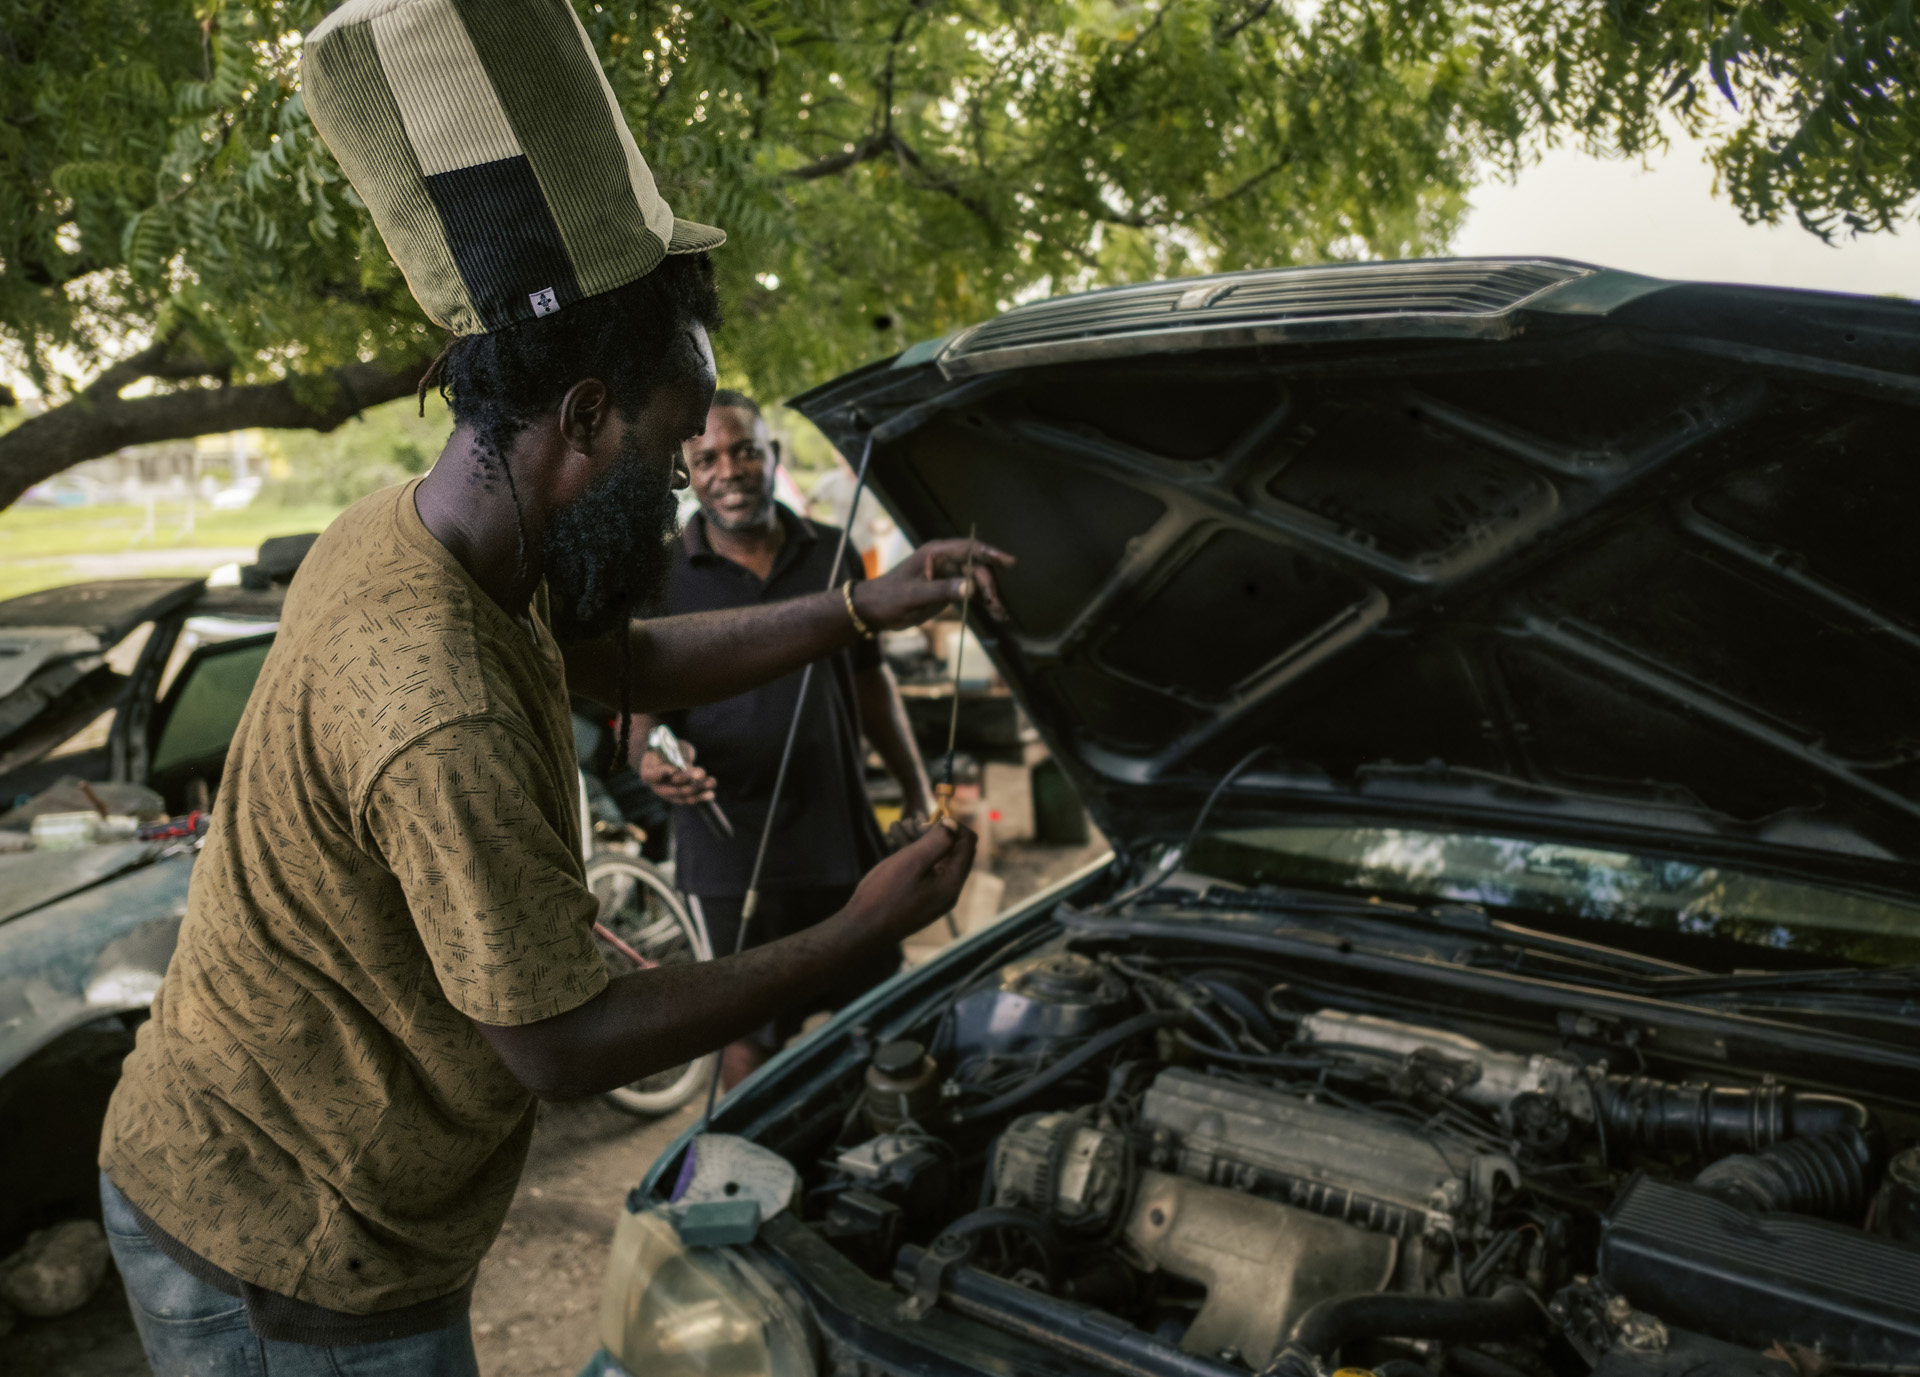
(680, 662)
(651, 1020)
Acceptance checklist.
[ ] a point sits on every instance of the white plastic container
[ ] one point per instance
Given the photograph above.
(70, 831)
(64, 831)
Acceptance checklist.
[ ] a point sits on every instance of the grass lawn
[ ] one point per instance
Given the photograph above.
(44, 547)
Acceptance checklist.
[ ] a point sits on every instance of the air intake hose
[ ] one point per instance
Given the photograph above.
(1323, 1330)
(1711, 1121)
(1828, 1174)
(1072, 1062)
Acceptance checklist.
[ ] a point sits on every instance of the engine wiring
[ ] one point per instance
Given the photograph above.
(1048, 1127)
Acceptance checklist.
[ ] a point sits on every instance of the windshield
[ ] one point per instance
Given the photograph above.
(1556, 880)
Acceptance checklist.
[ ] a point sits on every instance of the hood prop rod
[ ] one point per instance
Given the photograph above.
(943, 791)
(752, 900)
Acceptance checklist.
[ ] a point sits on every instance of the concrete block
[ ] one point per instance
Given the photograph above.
(1009, 802)
(979, 902)
(57, 1270)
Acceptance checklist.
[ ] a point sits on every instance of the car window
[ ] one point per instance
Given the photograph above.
(207, 701)
(1555, 879)
(201, 631)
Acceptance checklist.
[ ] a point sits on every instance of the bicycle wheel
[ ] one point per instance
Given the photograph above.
(644, 923)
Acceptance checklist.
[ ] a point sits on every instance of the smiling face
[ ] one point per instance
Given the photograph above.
(607, 546)
(731, 469)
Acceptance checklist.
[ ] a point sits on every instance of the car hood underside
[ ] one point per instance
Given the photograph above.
(1472, 542)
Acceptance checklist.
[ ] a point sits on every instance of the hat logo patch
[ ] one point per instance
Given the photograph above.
(545, 303)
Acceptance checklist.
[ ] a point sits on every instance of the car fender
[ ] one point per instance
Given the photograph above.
(93, 954)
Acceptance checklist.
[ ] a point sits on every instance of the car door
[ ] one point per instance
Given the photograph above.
(193, 725)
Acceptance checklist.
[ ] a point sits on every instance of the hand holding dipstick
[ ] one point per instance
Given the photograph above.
(903, 596)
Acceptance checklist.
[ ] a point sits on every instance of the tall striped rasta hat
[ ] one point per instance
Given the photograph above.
(483, 136)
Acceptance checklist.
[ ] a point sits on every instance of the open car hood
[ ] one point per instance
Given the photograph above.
(1479, 544)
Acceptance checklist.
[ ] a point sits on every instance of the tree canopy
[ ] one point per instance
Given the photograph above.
(172, 229)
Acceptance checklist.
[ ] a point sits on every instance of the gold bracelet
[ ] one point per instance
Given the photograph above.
(846, 596)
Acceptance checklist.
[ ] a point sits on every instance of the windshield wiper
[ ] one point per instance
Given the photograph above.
(1866, 980)
(1501, 944)
(1269, 899)
(1505, 945)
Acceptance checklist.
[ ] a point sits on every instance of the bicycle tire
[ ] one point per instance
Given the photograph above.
(644, 916)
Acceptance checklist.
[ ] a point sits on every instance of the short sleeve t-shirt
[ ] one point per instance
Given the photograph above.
(394, 854)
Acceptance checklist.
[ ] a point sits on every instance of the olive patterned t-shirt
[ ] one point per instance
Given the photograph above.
(394, 854)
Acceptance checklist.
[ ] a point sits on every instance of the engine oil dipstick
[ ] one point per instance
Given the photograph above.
(943, 791)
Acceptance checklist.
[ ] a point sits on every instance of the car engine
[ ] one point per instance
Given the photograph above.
(1165, 1160)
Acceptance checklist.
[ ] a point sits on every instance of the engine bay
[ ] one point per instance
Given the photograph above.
(1173, 1156)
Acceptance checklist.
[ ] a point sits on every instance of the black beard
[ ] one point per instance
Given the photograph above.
(609, 552)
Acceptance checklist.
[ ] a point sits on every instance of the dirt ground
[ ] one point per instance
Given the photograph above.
(536, 1303)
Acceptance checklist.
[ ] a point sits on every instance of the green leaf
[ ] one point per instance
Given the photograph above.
(1040, 146)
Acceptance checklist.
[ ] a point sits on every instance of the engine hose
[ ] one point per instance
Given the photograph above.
(1277, 1061)
(1222, 1035)
(1072, 1062)
(1484, 1265)
(1474, 1363)
(1714, 1120)
(1828, 1175)
(1006, 1217)
(1402, 1367)
(1331, 1324)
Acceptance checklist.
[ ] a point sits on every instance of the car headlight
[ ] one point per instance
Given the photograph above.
(674, 1311)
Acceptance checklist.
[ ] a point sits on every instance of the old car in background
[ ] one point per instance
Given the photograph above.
(124, 695)
(130, 688)
(1497, 679)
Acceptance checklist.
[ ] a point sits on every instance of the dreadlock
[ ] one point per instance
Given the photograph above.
(631, 338)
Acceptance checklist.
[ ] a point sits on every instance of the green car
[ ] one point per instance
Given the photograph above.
(118, 683)
(1499, 681)
(134, 688)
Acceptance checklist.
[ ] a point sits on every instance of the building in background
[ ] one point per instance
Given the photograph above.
(874, 535)
(224, 471)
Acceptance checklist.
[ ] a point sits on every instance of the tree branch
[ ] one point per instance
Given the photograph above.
(99, 421)
(885, 123)
(866, 150)
(1148, 32)
(935, 181)
(878, 145)
(157, 360)
(1161, 219)
(1253, 15)
(41, 274)
(882, 140)
(1280, 165)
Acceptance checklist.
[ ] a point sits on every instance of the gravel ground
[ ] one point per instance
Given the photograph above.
(536, 1303)
(536, 1306)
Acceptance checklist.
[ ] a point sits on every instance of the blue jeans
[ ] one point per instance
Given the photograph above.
(191, 1330)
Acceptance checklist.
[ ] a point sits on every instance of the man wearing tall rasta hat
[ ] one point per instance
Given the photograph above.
(388, 949)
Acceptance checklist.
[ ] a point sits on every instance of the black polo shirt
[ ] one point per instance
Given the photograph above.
(825, 833)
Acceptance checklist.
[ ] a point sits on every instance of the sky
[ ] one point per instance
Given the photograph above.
(1663, 219)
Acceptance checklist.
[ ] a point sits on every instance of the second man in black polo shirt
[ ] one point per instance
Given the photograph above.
(742, 548)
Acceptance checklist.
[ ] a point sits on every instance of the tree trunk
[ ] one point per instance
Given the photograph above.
(99, 421)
